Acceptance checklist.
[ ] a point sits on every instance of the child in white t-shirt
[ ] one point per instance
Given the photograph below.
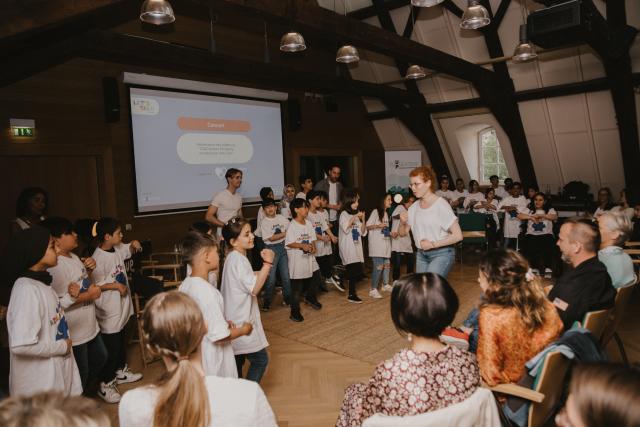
(265, 193)
(80, 312)
(274, 228)
(288, 194)
(401, 246)
(512, 206)
(306, 185)
(39, 342)
(458, 196)
(324, 253)
(352, 229)
(185, 395)
(240, 288)
(300, 253)
(319, 219)
(206, 229)
(114, 307)
(380, 246)
(201, 253)
(444, 191)
(539, 239)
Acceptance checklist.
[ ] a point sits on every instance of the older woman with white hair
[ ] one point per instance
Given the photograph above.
(615, 229)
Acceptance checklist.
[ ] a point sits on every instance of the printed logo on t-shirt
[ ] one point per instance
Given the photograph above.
(84, 287)
(513, 214)
(119, 275)
(62, 332)
(538, 226)
(355, 234)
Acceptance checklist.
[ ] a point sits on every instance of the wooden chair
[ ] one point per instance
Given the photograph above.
(167, 266)
(138, 306)
(632, 244)
(622, 300)
(547, 391)
(596, 321)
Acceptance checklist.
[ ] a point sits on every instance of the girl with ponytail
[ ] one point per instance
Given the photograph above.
(173, 330)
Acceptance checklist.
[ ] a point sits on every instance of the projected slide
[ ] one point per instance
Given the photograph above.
(184, 143)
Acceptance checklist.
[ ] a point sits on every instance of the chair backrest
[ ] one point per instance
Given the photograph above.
(596, 322)
(622, 300)
(550, 382)
(479, 410)
(473, 226)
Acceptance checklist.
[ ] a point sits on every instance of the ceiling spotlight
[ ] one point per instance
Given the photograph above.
(425, 3)
(292, 42)
(415, 72)
(157, 12)
(476, 16)
(525, 51)
(347, 54)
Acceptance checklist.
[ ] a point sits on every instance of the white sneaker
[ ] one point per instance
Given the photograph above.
(387, 288)
(373, 293)
(124, 376)
(548, 273)
(109, 392)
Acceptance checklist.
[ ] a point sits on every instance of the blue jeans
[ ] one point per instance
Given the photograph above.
(437, 261)
(90, 358)
(258, 362)
(281, 266)
(381, 267)
(472, 322)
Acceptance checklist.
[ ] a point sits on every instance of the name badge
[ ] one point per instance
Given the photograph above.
(562, 305)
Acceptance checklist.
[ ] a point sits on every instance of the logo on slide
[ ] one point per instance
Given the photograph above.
(144, 106)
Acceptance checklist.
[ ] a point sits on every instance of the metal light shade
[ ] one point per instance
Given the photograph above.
(476, 16)
(157, 12)
(425, 3)
(525, 51)
(415, 72)
(347, 54)
(292, 42)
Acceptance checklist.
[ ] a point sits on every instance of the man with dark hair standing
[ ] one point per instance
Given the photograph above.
(587, 286)
(333, 187)
(227, 203)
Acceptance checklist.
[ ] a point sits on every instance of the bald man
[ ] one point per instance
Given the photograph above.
(587, 286)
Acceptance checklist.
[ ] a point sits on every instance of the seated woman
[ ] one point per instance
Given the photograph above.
(615, 229)
(428, 375)
(602, 395)
(516, 320)
(539, 240)
(474, 197)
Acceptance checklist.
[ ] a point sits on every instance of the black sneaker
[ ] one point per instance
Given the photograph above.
(313, 303)
(354, 299)
(296, 317)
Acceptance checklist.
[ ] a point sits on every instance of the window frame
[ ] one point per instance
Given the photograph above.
(481, 162)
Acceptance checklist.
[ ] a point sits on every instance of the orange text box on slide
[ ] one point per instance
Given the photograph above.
(213, 125)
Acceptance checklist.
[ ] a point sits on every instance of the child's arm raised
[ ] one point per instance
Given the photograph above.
(262, 275)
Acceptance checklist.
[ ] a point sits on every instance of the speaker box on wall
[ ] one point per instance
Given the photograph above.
(295, 114)
(111, 99)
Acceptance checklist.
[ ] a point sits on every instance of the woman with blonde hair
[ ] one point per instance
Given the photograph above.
(516, 320)
(173, 330)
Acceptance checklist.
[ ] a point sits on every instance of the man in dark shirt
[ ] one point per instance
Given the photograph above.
(587, 286)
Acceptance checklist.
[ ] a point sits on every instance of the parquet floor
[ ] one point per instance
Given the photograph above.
(313, 362)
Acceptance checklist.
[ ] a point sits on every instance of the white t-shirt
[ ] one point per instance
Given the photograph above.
(511, 221)
(217, 358)
(350, 239)
(83, 325)
(501, 192)
(493, 212)
(333, 200)
(400, 244)
(301, 195)
(229, 206)
(628, 212)
(542, 227)
(112, 310)
(212, 276)
(379, 238)
(271, 226)
(473, 198)
(238, 281)
(37, 339)
(301, 264)
(285, 211)
(259, 218)
(432, 223)
(320, 222)
(448, 194)
(455, 194)
(233, 402)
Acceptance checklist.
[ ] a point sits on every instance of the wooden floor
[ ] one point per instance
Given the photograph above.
(307, 372)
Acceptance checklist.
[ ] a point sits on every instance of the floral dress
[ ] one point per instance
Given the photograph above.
(412, 383)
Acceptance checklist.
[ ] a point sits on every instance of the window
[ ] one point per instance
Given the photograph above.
(490, 156)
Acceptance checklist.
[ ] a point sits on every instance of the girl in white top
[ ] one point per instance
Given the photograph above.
(512, 206)
(401, 246)
(490, 206)
(444, 191)
(288, 194)
(604, 203)
(114, 307)
(380, 246)
(352, 229)
(434, 226)
(201, 253)
(240, 289)
(185, 395)
(539, 237)
(459, 195)
(78, 304)
(39, 342)
(474, 197)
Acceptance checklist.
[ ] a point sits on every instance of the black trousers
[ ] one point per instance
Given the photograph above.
(354, 273)
(397, 259)
(539, 251)
(117, 355)
(325, 265)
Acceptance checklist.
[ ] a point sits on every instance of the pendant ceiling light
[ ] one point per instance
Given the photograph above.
(157, 12)
(347, 54)
(292, 42)
(525, 51)
(415, 72)
(476, 16)
(425, 3)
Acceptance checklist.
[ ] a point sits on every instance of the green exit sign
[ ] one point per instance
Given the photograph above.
(22, 131)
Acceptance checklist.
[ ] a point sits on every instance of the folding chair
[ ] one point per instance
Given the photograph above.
(596, 321)
(622, 300)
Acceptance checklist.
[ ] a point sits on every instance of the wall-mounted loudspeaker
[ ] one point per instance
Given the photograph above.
(111, 99)
(295, 114)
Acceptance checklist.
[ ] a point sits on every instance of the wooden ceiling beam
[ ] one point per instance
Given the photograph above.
(371, 11)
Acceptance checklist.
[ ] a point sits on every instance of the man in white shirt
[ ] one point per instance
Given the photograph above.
(227, 203)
